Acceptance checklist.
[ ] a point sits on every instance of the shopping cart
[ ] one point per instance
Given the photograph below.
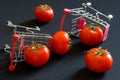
(86, 15)
(22, 37)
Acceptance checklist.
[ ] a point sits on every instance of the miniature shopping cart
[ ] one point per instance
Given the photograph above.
(85, 15)
(22, 37)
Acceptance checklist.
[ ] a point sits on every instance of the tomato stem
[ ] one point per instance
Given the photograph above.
(44, 6)
(92, 28)
(36, 46)
(99, 52)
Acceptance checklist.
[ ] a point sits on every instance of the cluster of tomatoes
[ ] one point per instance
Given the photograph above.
(96, 59)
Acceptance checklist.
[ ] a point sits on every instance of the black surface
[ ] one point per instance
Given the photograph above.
(67, 67)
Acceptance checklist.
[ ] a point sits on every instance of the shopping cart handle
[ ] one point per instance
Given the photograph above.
(67, 11)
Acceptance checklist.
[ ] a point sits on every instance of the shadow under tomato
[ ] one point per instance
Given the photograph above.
(85, 74)
(22, 70)
(78, 46)
(77, 49)
(54, 57)
(32, 23)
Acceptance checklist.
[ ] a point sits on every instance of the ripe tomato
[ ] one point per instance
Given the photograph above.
(36, 54)
(61, 42)
(98, 60)
(91, 35)
(44, 13)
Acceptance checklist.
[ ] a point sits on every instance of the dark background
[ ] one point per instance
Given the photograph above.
(70, 66)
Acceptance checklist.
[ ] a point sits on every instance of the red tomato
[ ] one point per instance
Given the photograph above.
(98, 60)
(91, 35)
(36, 54)
(44, 13)
(61, 42)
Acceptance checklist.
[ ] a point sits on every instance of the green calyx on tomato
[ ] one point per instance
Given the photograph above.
(92, 27)
(36, 46)
(99, 52)
(44, 6)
